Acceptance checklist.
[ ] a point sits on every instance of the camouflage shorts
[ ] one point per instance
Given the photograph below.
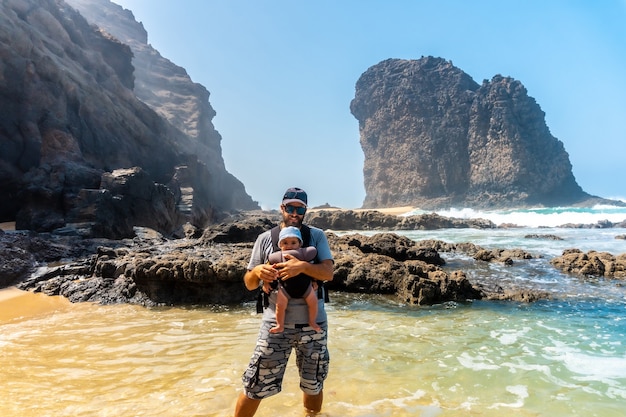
(264, 376)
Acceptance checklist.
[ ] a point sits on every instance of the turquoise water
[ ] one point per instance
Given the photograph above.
(549, 359)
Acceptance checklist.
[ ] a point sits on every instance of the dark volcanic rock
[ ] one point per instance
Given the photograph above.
(16, 263)
(547, 237)
(150, 269)
(375, 220)
(399, 248)
(390, 264)
(592, 263)
(245, 230)
(432, 137)
(23, 251)
(504, 256)
(69, 113)
(126, 198)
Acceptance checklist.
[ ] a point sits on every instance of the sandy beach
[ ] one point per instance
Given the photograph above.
(18, 304)
(398, 211)
(7, 226)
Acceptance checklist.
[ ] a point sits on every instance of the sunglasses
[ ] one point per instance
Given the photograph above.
(298, 210)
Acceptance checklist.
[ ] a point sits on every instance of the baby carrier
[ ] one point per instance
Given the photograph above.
(322, 294)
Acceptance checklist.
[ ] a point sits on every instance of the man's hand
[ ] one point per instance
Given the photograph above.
(322, 271)
(291, 267)
(265, 273)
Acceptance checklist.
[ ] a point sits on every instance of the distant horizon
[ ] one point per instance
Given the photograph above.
(281, 76)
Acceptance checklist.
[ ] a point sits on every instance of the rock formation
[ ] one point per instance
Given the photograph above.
(150, 270)
(75, 107)
(168, 89)
(592, 263)
(433, 137)
(206, 267)
(375, 220)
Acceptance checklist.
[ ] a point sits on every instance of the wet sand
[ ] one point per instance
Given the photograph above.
(17, 304)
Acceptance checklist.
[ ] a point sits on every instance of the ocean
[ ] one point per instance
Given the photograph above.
(540, 217)
(565, 356)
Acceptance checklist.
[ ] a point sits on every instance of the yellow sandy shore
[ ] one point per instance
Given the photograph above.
(17, 304)
(7, 226)
(385, 210)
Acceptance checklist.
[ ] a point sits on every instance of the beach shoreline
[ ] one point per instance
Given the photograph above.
(16, 304)
(398, 211)
(7, 226)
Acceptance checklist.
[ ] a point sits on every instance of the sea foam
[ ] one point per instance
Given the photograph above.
(538, 217)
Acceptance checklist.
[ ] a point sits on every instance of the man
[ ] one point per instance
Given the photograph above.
(264, 375)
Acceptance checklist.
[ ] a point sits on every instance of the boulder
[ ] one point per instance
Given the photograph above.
(592, 263)
(126, 198)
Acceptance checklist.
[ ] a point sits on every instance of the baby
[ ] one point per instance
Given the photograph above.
(290, 242)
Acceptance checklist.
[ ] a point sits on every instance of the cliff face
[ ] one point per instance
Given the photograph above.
(169, 91)
(72, 110)
(432, 137)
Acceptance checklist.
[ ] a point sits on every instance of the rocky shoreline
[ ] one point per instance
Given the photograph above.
(206, 266)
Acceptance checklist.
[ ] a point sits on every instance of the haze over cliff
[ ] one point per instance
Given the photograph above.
(95, 124)
(433, 137)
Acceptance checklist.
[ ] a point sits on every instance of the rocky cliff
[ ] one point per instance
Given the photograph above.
(433, 137)
(81, 109)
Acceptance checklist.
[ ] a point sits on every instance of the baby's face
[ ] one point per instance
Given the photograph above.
(289, 243)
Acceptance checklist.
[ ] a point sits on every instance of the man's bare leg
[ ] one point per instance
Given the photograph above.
(246, 407)
(313, 402)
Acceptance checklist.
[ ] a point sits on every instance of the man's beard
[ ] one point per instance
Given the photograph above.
(288, 221)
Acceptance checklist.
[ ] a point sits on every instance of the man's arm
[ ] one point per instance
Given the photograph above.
(322, 271)
(262, 272)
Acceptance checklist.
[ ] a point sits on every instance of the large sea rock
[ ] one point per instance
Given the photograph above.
(433, 137)
(78, 103)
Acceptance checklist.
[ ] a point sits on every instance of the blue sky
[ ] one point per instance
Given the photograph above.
(281, 74)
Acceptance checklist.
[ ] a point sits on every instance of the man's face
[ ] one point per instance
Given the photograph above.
(290, 214)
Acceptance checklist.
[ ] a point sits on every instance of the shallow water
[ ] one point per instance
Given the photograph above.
(475, 359)
(602, 240)
(562, 357)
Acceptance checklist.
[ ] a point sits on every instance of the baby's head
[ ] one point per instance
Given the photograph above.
(289, 238)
